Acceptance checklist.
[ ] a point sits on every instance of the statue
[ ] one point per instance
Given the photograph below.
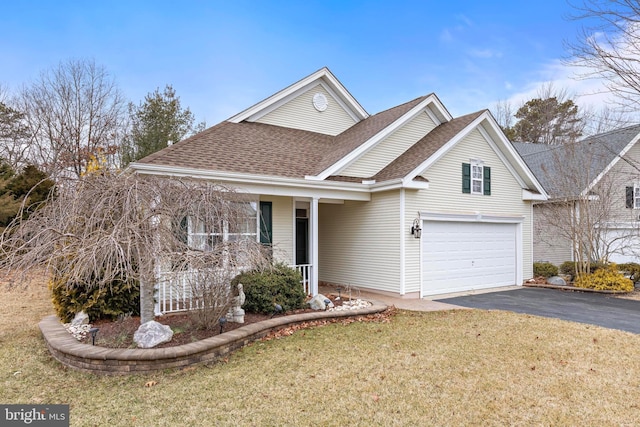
(236, 313)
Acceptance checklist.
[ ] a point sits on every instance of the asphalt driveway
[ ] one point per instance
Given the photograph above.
(584, 307)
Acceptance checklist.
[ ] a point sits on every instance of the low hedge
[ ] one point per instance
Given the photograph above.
(280, 285)
(544, 269)
(118, 298)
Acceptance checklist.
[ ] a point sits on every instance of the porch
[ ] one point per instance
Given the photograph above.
(174, 290)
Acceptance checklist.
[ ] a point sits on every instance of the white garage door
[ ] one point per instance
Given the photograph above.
(460, 256)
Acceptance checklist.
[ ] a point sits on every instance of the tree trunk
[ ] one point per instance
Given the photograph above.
(147, 303)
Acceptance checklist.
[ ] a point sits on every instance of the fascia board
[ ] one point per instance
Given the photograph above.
(324, 73)
(263, 112)
(513, 154)
(529, 195)
(442, 150)
(274, 185)
(374, 140)
(611, 164)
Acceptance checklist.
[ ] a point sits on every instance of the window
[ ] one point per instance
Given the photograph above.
(476, 178)
(204, 235)
(633, 196)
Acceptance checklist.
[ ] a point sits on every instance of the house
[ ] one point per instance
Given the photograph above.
(409, 201)
(603, 172)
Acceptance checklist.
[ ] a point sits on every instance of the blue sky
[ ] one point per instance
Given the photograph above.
(224, 56)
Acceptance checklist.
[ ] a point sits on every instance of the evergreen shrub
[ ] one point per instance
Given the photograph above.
(544, 269)
(264, 289)
(118, 298)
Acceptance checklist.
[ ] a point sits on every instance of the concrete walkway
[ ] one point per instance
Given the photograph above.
(414, 304)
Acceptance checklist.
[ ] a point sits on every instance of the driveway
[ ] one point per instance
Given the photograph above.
(584, 307)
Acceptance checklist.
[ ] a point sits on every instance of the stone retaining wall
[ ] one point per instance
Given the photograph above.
(115, 361)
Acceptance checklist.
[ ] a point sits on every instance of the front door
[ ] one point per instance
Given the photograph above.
(302, 241)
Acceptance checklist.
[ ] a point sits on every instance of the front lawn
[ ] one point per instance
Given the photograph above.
(467, 367)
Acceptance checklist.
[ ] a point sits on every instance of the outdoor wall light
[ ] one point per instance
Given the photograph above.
(416, 230)
(222, 321)
(93, 332)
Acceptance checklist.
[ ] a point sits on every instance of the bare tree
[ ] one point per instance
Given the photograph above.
(610, 47)
(73, 111)
(106, 226)
(504, 113)
(585, 205)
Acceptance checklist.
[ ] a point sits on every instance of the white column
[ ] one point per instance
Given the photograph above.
(314, 246)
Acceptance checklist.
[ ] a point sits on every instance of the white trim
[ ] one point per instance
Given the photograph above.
(433, 117)
(271, 185)
(314, 246)
(311, 86)
(470, 217)
(349, 101)
(373, 141)
(443, 150)
(403, 232)
(501, 156)
(613, 162)
(477, 218)
(529, 195)
(509, 164)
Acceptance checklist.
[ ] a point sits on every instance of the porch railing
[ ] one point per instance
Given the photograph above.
(305, 272)
(174, 290)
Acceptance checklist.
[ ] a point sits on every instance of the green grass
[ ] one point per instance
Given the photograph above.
(466, 367)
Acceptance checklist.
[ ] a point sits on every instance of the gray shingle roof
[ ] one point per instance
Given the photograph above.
(584, 160)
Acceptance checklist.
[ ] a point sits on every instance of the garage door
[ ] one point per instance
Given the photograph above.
(460, 256)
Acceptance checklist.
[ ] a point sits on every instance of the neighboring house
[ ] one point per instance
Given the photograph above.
(601, 170)
(409, 201)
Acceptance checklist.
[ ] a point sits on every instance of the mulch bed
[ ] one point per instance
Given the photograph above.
(119, 333)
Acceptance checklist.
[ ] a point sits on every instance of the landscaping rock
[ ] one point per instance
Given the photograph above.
(557, 281)
(81, 318)
(317, 302)
(151, 334)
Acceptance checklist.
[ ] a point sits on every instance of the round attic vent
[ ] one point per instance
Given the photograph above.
(320, 102)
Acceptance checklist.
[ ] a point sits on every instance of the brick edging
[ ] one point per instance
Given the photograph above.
(101, 360)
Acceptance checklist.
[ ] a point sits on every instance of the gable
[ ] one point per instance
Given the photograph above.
(300, 112)
(386, 151)
(445, 178)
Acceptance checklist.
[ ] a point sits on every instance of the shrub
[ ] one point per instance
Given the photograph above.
(632, 270)
(545, 269)
(120, 297)
(278, 285)
(569, 267)
(608, 278)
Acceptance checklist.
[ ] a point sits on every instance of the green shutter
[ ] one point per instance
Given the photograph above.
(486, 175)
(629, 198)
(466, 178)
(266, 223)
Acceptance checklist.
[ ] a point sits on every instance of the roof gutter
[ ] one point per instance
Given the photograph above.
(260, 183)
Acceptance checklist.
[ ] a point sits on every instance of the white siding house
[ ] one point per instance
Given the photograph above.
(407, 201)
